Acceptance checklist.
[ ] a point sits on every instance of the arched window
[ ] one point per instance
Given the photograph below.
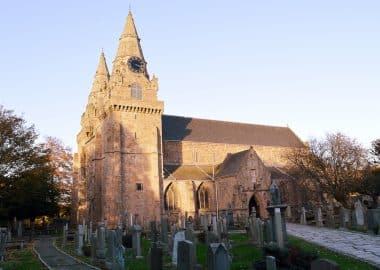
(203, 197)
(136, 92)
(171, 198)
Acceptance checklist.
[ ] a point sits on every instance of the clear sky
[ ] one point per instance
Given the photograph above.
(312, 65)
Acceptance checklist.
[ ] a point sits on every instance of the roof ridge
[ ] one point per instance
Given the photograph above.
(222, 121)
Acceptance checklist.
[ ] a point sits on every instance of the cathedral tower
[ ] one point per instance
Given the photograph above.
(119, 160)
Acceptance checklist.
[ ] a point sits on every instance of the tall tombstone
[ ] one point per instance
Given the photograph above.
(19, 228)
(373, 219)
(111, 248)
(101, 241)
(344, 216)
(136, 241)
(318, 217)
(3, 240)
(93, 246)
(80, 240)
(189, 234)
(324, 264)
(358, 215)
(330, 219)
(179, 236)
(186, 255)
(268, 231)
(64, 235)
(214, 224)
(303, 216)
(204, 222)
(85, 233)
(164, 230)
(218, 257)
(275, 196)
(288, 213)
(119, 260)
(153, 231)
(230, 217)
(270, 263)
(260, 233)
(156, 253)
(278, 228)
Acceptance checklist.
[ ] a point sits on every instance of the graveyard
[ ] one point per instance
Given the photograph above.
(207, 243)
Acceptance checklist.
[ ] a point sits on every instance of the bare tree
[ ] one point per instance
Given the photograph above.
(335, 166)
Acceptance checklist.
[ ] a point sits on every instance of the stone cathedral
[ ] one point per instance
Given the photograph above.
(135, 164)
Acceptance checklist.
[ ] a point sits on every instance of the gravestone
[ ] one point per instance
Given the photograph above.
(156, 253)
(303, 216)
(211, 237)
(230, 217)
(3, 240)
(330, 220)
(64, 235)
(358, 217)
(268, 231)
(324, 264)
(101, 241)
(260, 233)
(318, 217)
(164, 231)
(85, 233)
(214, 224)
(136, 241)
(9, 239)
(217, 257)
(80, 240)
(189, 234)
(93, 246)
(270, 263)
(373, 219)
(19, 228)
(186, 255)
(179, 236)
(344, 216)
(111, 248)
(278, 228)
(204, 222)
(288, 213)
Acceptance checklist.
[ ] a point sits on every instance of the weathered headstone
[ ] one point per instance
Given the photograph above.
(156, 253)
(204, 222)
(260, 233)
(344, 217)
(189, 234)
(373, 220)
(268, 231)
(101, 241)
(3, 240)
(324, 264)
(119, 260)
(278, 228)
(136, 241)
(186, 255)
(288, 213)
(318, 217)
(64, 235)
(19, 228)
(93, 246)
(230, 217)
(80, 240)
(214, 224)
(164, 230)
(358, 214)
(111, 248)
(303, 216)
(270, 262)
(179, 236)
(217, 257)
(330, 219)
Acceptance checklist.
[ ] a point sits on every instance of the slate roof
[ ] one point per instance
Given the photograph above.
(180, 128)
(276, 173)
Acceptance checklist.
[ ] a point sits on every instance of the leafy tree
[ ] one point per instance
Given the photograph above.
(27, 187)
(335, 165)
(375, 151)
(61, 160)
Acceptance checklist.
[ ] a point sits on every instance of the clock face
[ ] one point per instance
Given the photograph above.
(136, 64)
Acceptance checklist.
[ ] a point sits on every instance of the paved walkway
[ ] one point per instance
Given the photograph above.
(55, 259)
(358, 245)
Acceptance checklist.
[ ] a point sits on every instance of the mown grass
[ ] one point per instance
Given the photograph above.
(21, 260)
(344, 262)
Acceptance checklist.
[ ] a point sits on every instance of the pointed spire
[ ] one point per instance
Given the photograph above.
(102, 66)
(129, 44)
(129, 28)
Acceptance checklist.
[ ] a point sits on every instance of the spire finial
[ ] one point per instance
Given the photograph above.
(129, 7)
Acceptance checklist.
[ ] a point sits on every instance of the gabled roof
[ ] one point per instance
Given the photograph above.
(179, 128)
(188, 172)
(231, 164)
(276, 173)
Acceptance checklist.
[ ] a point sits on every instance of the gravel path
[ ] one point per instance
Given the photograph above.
(54, 259)
(358, 245)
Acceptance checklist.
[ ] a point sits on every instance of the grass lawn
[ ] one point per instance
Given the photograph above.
(343, 261)
(21, 260)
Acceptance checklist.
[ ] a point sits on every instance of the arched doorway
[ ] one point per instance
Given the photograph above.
(253, 203)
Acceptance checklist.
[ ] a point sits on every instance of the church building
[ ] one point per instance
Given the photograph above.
(135, 164)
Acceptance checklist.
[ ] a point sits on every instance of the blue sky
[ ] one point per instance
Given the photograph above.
(312, 65)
